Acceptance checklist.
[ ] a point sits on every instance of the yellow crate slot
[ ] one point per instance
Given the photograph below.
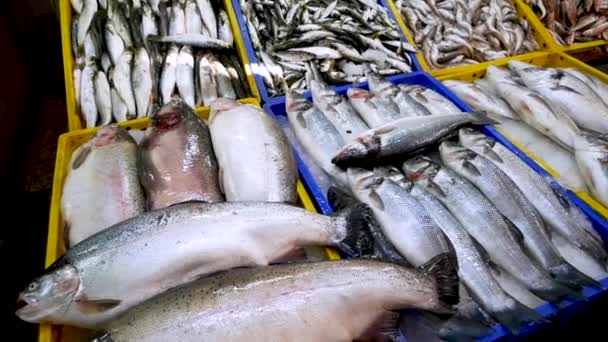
(544, 59)
(75, 120)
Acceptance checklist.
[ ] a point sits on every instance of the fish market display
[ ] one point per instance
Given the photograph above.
(130, 57)
(343, 300)
(136, 259)
(564, 104)
(572, 22)
(256, 161)
(178, 158)
(102, 185)
(451, 33)
(343, 39)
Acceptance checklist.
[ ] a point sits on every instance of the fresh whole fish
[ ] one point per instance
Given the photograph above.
(338, 110)
(316, 134)
(177, 22)
(558, 212)
(134, 260)
(475, 97)
(486, 226)
(372, 108)
(223, 82)
(194, 40)
(599, 86)
(207, 80)
(208, 14)
(435, 103)
(178, 161)
(142, 79)
(184, 75)
(402, 137)
(85, 18)
(102, 186)
(591, 153)
(406, 104)
(473, 270)
(103, 100)
(533, 108)
(193, 20)
(114, 43)
(528, 225)
(405, 223)
(224, 30)
(168, 76)
(255, 158)
(76, 77)
(567, 94)
(122, 81)
(87, 94)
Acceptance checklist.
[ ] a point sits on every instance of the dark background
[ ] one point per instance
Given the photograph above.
(32, 116)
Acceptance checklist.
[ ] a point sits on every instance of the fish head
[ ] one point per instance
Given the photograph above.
(296, 102)
(471, 138)
(452, 151)
(357, 94)
(359, 152)
(419, 168)
(393, 173)
(110, 134)
(49, 295)
(496, 74)
(362, 179)
(170, 115)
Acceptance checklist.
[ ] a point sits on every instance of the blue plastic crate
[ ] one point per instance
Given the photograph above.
(277, 108)
(254, 61)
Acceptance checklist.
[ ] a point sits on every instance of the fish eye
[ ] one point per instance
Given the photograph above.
(33, 286)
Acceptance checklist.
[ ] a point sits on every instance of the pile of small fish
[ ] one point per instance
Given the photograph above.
(342, 38)
(564, 104)
(144, 258)
(453, 32)
(514, 240)
(572, 21)
(133, 56)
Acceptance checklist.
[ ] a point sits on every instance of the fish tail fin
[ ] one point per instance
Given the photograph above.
(515, 313)
(570, 276)
(444, 270)
(482, 118)
(557, 293)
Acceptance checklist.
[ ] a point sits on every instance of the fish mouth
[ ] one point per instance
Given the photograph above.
(23, 307)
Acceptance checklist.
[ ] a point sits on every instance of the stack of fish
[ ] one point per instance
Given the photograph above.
(343, 38)
(153, 276)
(564, 104)
(516, 241)
(572, 21)
(453, 32)
(132, 56)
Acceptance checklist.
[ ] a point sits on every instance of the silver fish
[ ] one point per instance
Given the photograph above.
(99, 279)
(142, 79)
(76, 77)
(87, 94)
(208, 90)
(375, 288)
(558, 212)
(591, 153)
(114, 43)
(222, 78)
(316, 134)
(567, 94)
(475, 97)
(528, 225)
(208, 14)
(436, 103)
(121, 75)
(102, 186)
(85, 19)
(178, 161)
(168, 76)
(404, 136)
(184, 75)
(337, 110)
(472, 268)
(103, 99)
(177, 21)
(390, 92)
(224, 30)
(255, 158)
(486, 226)
(194, 40)
(371, 108)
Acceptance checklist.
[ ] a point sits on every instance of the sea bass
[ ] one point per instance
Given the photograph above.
(558, 212)
(178, 162)
(402, 137)
(357, 296)
(102, 186)
(255, 158)
(316, 134)
(591, 153)
(105, 275)
(567, 94)
(485, 224)
(393, 94)
(529, 227)
(405, 222)
(374, 110)
(479, 100)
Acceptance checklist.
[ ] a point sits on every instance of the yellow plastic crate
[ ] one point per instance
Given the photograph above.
(544, 59)
(75, 120)
(540, 33)
(68, 143)
(590, 51)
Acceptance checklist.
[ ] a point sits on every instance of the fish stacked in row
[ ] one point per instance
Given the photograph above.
(571, 21)
(132, 57)
(451, 33)
(153, 275)
(475, 205)
(342, 38)
(564, 104)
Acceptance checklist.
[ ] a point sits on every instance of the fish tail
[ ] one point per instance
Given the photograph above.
(515, 313)
(103, 338)
(444, 270)
(570, 276)
(482, 118)
(557, 293)
(358, 242)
